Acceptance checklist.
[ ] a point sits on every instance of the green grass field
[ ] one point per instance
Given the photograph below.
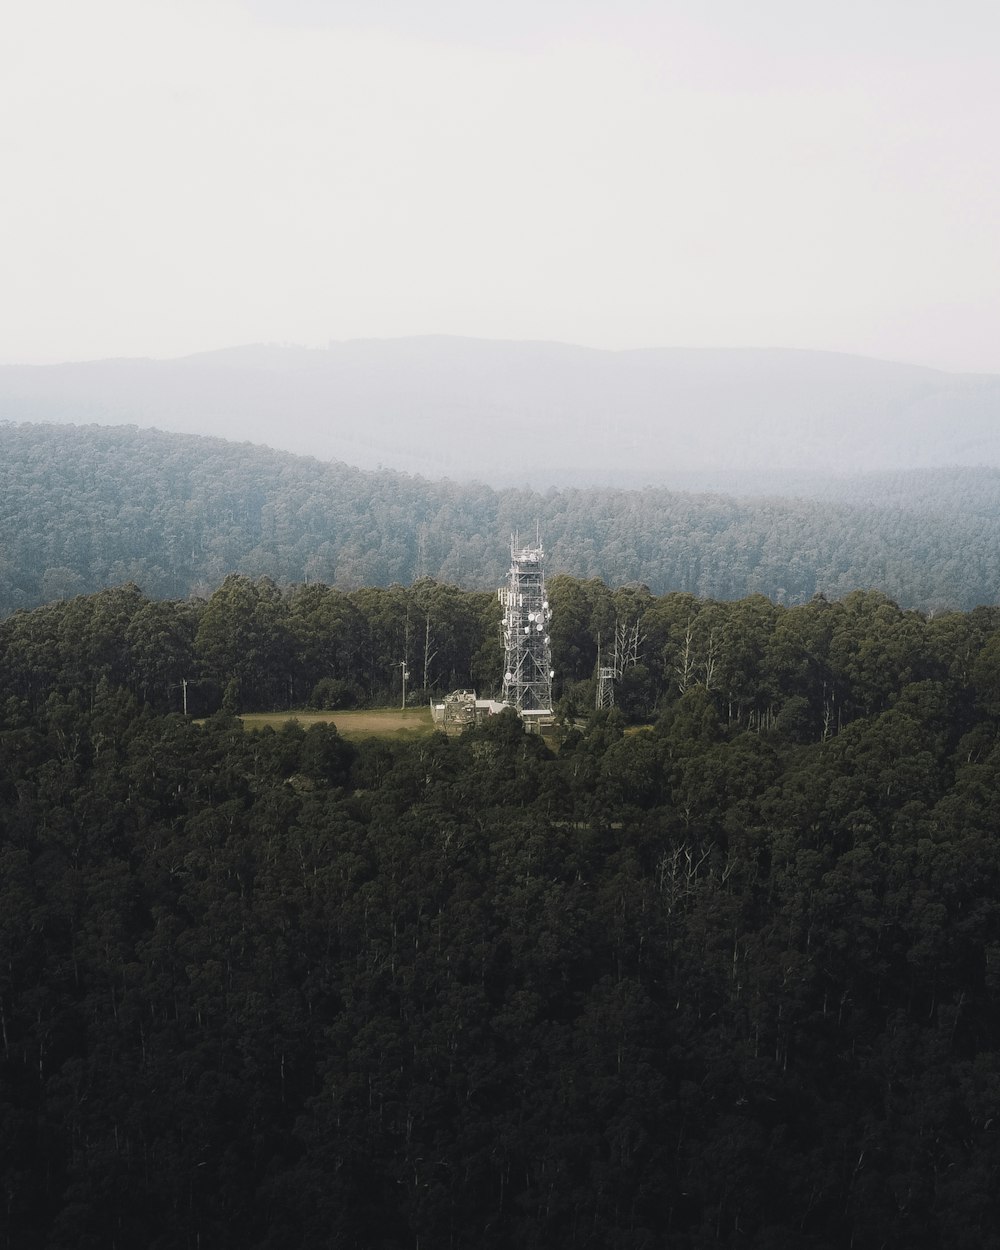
(369, 723)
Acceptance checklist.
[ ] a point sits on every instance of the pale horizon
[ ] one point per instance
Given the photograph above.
(185, 177)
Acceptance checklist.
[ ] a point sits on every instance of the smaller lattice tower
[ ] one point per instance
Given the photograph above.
(527, 678)
(606, 674)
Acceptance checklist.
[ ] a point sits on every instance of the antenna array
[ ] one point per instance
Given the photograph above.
(527, 678)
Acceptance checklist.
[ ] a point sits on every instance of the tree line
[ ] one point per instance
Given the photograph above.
(83, 508)
(809, 669)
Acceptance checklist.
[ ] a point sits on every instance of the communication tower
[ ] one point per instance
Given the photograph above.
(527, 678)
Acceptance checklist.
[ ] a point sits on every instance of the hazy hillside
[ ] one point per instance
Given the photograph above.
(540, 413)
(87, 507)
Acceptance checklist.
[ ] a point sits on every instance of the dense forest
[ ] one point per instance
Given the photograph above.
(727, 981)
(82, 508)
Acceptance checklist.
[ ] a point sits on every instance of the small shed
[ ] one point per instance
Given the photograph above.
(461, 708)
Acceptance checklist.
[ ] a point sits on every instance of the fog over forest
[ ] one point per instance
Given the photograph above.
(723, 980)
(541, 414)
(86, 507)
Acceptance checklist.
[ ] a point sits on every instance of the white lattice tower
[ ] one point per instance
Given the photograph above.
(527, 678)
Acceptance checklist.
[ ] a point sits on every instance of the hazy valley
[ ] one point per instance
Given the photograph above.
(541, 414)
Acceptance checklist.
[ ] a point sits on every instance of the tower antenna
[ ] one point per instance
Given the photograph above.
(527, 678)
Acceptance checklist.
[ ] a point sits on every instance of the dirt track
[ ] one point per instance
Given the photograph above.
(368, 721)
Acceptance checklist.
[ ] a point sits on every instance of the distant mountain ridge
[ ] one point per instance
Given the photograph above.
(539, 413)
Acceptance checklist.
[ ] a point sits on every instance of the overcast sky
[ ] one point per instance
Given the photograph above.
(179, 176)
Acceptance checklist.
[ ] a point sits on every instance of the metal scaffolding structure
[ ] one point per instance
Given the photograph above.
(625, 655)
(606, 674)
(527, 678)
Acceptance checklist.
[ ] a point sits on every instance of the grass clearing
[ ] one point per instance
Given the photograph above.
(365, 723)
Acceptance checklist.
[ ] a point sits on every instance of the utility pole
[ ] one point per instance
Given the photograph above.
(184, 689)
(406, 673)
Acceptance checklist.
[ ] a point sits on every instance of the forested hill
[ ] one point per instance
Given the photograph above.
(86, 507)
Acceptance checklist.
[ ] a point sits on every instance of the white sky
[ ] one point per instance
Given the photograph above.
(180, 175)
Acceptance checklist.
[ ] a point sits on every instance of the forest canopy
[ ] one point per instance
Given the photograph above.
(729, 980)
